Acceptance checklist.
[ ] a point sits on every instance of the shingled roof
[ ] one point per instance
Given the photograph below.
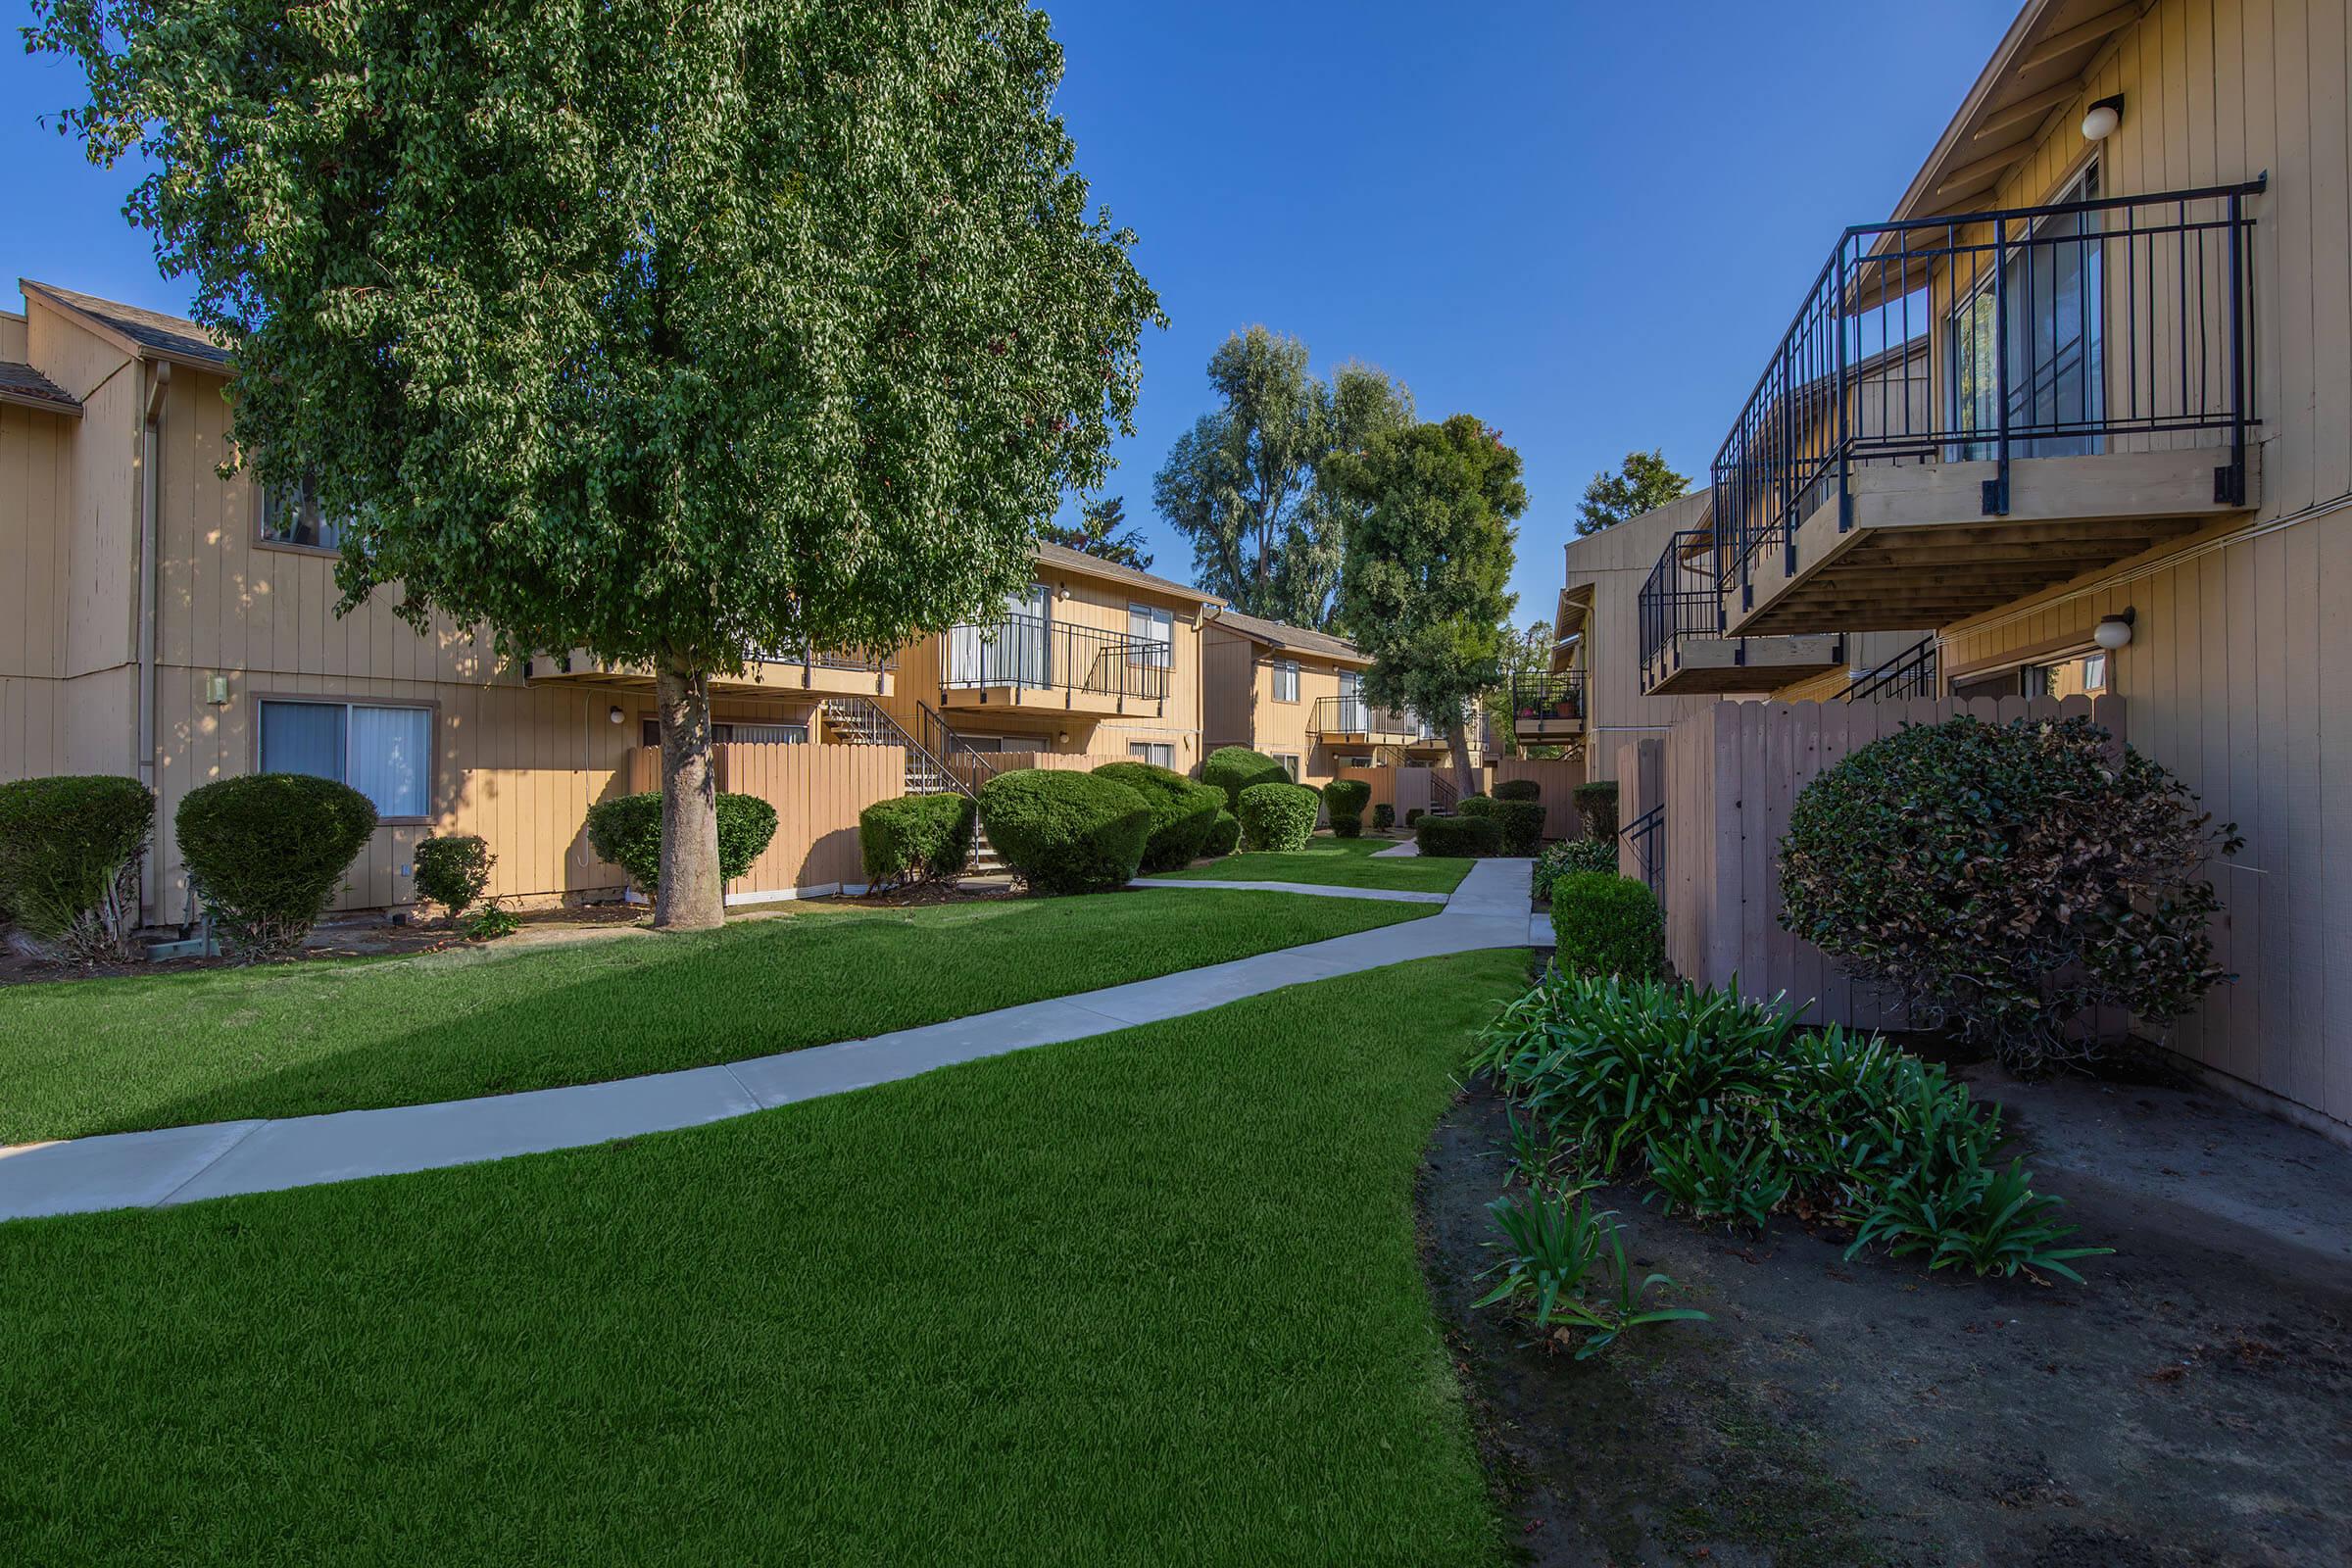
(1297, 639)
(1052, 555)
(155, 335)
(21, 384)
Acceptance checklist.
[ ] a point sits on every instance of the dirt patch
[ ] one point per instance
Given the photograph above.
(2191, 1404)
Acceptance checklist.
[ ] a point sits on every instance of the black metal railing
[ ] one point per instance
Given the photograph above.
(1035, 651)
(1353, 715)
(827, 658)
(967, 767)
(1683, 596)
(2114, 323)
(1538, 699)
(1443, 794)
(1645, 835)
(1909, 673)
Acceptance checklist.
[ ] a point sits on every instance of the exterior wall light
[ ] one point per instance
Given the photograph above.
(616, 714)
(2101, 118)
(2114, 633)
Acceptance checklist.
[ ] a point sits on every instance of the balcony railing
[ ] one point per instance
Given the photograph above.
(1032, 651)
(1683, 596)
(1535, 698)
(1908, 674)
(1353, 715)
(2117, 323)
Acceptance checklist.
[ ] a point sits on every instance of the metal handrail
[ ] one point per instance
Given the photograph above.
(964, 763)
(1647, 836)
(1036, 650)
(2025, 332)
(826, 659)
(1909, 673)
(1353, 716)
(1550, 696)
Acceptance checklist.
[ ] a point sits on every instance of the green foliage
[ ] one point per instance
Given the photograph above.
(1521, 823)
(1066, 832)
(1347, 799)
(1596, 809)
(1458, 836)
(1244, 484)
(1519, 789)
(491, 922)
(1732, 1110)
(1430, 537)
(1597, 856)
(1642, 484)
(453, 870)
(1235, 768)
(1277, 817)
(1414, 815)
(1606, 924)
(266, 852)
(1476, 805)
(70, 853)
(1384, 816)
(916, 838)
(626, 830)
(1102, 532)
(2005, 880)
(1181, 811)
(1224, 836)
(1564, 1263)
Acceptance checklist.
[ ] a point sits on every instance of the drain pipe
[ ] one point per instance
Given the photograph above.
(150, 510)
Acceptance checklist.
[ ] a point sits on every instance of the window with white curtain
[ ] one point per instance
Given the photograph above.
(1157, 754)
(1156, 626)
(385, 753)
(295, 517)
(1286, 680)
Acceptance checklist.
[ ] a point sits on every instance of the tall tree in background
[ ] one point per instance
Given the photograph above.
(671, 331)
(1644, 484)
(1245, 483)
(1429, 552)
(1525, 652)
(1104, 532)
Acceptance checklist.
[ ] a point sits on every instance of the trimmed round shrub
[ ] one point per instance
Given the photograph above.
(1574, 854)
(1181, 811)
(1607, 924)
(2006, 880)
(453, 870)
(266, 852)
(1235, 768)
(1519, 789)
(1597, 805)
(1278, 817)
(626, 830)
(1458, 836)
(1414, 815)
(71, 852)
(1521, 822)
(1347, 799)
(1224, 836)
(1475, 806)
(1066, 832)
(1384, 816)
(916, 838)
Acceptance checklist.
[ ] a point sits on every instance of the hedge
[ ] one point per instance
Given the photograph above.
(1384, 816)
(1597, 804)
(1224, 836)
(1278, 817)
(916, 838)
(1475, 806)
(1573, 854)
(1606, 924)
(1521, 822)
(1066, 832)
(71, 850)
(1519, 789)
(1181, 811)
(1457, 835)
(1235, 768)
(453, 870)
(1347, 797)
(626, 830)
(266, 852)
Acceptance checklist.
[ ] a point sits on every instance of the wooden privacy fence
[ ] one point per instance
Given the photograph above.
(1729, 774)
(1403, 789)
(1558, 778)
(817, 792)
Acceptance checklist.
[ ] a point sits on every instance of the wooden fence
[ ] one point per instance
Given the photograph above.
(817, 792)
(1729, 774)
(1558, 778)
(1402, 788)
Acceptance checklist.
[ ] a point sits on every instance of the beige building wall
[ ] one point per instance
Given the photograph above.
(1243, 709)
(1609, 569)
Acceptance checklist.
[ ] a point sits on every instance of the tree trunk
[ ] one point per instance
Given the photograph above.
(1459, 740)
(691, 897)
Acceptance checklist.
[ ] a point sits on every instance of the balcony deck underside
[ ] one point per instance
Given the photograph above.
(1717, 665)
(1922, 552)
(762, 679)
(1043, 700)
(1549, 727)
(1362, 737)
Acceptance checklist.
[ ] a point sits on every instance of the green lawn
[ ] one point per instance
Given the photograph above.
(113, 1056)
(1337, 863)
(1151, 1298)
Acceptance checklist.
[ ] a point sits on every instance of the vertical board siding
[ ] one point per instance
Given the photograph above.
(1558, 778)
(817, 792)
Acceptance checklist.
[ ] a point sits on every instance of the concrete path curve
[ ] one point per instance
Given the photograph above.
(181, 1164)
(1313, 890)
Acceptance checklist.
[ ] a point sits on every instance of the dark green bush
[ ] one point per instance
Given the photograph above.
(453, 870)
(1596, 807)
(1519, 789)
(1573, 854)
(916, 838)
(1224, 836)
(1277, 817)
(626, 830)
(2006, 880)
(70, 853)
(1414, 815)
(1347, 799)
(1384, 816)
(1235, 768)
(1458, 836)
(1181, 811)
(1521, 822)
(1475, 806)
(1607, 924)
(266, 852)
(1066, 832)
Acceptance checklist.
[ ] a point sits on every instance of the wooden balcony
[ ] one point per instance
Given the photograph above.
(1548, 708)
(1352, 722)
(783, 676)
(1028, 664)
(1684, 650)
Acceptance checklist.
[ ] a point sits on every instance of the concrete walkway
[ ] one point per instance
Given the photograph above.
(1313, 890)
(181, 1164)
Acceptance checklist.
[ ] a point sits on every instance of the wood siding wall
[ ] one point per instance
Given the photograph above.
(817, 792)
(1558, 779)
(1240, 708)
(1404, 788)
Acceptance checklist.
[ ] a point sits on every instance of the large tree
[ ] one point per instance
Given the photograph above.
(1245, 483)
(1104, 532)
(1526, 654)
(676, 331)
(1643, 483)
(1430, 547)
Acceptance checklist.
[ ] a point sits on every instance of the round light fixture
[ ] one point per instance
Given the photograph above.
(2102, 117)
(616, 714)
(2114, 631)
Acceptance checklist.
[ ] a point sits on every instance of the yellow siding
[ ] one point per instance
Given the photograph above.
(1243, 709)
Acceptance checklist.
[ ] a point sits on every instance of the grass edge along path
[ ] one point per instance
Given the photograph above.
(1329, 861)
(1152, 1297)
(87, 1057)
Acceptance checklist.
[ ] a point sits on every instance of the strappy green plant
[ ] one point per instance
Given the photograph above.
(1563, 1266)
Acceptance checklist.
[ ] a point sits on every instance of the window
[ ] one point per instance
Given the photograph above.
(2055, 319)
(295, 517)
(383, 753)
(650, 732)
(1157, 754)
(1290, 765)
(1154, 626)
(2075, 674)
(1286, 680)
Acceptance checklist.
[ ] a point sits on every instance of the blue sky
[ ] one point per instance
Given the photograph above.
(1586, 225)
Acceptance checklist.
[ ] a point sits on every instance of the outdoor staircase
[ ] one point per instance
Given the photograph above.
(862, 722)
